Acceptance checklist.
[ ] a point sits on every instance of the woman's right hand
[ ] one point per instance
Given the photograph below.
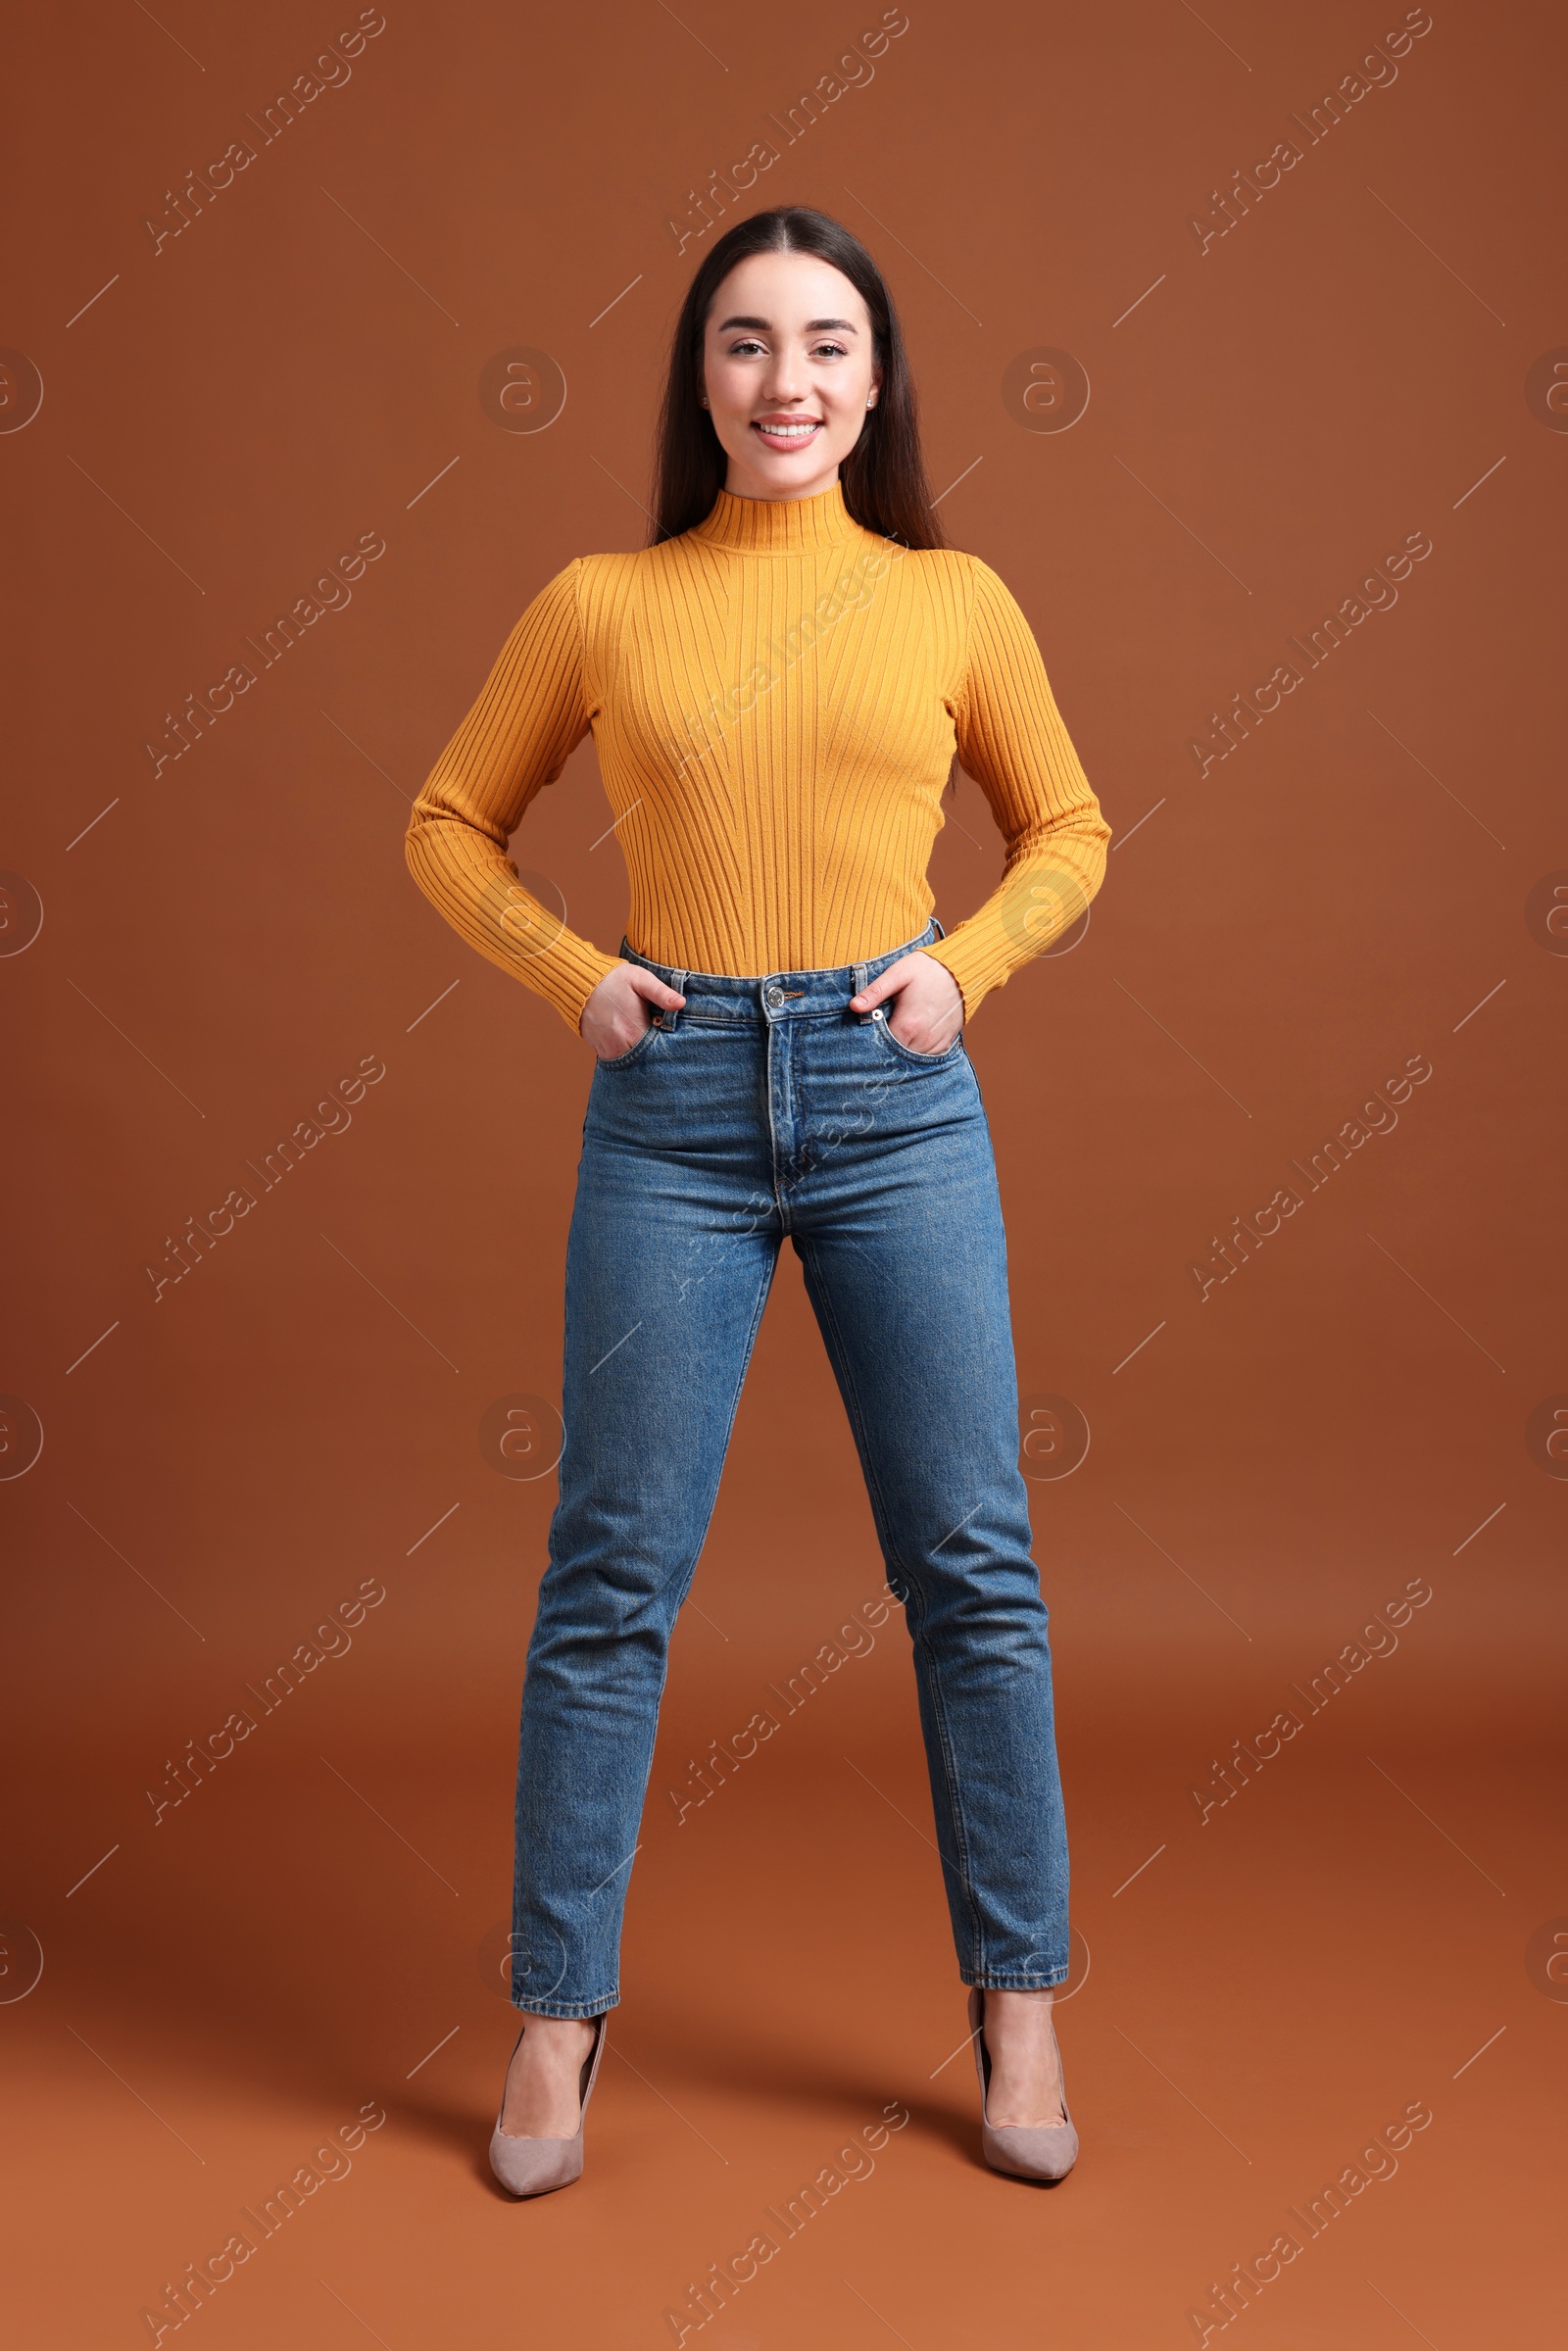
(616, 1015)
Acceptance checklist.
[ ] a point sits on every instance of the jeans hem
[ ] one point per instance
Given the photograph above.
(584, 2011)
(995, 1979)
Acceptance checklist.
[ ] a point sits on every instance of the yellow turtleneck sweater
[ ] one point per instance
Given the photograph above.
(775, 699)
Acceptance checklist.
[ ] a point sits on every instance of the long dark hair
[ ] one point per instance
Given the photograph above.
(883, 479)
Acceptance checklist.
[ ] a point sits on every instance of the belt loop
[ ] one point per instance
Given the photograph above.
(860, 971)
(941, 933)
(669, 1020)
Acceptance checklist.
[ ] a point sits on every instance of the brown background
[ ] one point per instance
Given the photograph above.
(221, 943)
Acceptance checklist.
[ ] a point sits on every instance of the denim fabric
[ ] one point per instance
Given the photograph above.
(766, 1107)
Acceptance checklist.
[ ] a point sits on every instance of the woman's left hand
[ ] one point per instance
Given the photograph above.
(929, 1012)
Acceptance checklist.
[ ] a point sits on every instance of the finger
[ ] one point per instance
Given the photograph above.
(886, 984)
(649, 985)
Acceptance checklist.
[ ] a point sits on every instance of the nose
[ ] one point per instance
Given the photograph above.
(784, 382)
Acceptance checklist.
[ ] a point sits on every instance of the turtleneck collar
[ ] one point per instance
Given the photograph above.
(778, 525)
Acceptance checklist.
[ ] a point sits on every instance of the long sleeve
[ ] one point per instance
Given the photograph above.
(530, 717)
(1012, 741)
(795, 835)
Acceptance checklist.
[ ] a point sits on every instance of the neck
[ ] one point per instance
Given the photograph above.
(740, 482)
(779, 525)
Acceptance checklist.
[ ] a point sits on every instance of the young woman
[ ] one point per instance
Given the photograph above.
(776, 687)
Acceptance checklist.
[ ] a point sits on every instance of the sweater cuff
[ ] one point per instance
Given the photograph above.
(949, 952)
(588, 968)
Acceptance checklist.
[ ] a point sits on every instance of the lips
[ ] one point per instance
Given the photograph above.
(779, 433)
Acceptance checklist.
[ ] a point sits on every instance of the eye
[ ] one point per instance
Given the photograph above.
(834, 351)
(744, 347)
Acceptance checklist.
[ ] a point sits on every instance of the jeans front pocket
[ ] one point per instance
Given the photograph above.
(633, 1052)
(906, 1052)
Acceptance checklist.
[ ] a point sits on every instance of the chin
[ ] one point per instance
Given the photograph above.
(793, 464)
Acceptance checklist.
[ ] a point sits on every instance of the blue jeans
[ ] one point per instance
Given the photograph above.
(764, 1106)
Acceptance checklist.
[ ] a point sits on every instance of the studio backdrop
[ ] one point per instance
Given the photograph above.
(329, 338)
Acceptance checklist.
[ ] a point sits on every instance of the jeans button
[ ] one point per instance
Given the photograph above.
(773, 997)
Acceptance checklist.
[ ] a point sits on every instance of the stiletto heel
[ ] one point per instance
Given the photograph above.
(1041, 2151)
(532, 2167)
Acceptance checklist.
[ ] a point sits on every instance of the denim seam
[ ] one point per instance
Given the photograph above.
(1035, 1979)
(779, 1201)
(914, 1594)
(570, 2008)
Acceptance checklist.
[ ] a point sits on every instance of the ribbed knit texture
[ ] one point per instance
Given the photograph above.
(775, 699)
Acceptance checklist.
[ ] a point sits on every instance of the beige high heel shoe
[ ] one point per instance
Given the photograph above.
(1041, 2151)
(532, 2167)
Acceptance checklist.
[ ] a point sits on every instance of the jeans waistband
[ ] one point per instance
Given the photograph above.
(712, 996)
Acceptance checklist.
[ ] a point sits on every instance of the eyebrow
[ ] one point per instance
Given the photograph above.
(814, 327)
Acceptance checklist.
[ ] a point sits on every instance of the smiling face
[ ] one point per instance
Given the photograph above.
(788, 373)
